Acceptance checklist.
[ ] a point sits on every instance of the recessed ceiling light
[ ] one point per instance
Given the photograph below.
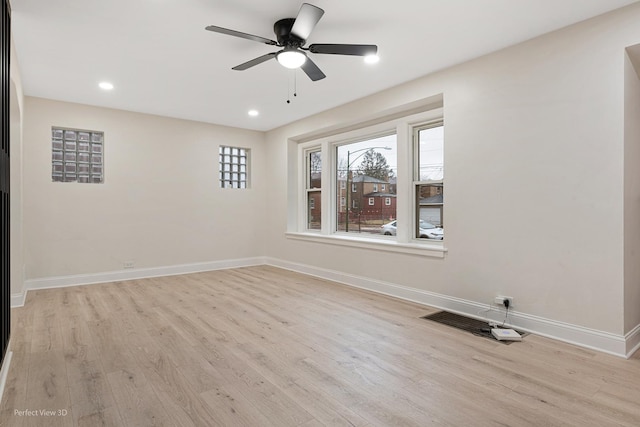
(371, 59)
(105, 85)
(253, 113)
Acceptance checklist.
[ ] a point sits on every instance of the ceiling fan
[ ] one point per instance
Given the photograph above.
(292, 34)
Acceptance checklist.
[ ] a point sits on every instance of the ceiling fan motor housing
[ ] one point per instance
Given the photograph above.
(282, 29)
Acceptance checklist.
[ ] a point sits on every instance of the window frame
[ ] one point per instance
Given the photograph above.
(406, 203)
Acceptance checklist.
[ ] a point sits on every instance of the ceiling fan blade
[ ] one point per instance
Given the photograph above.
(345, 49)
(311, 69)
(305, 22)
(255, 61)
(239, 34)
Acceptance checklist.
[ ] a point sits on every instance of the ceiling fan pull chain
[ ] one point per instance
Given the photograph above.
(289, 89)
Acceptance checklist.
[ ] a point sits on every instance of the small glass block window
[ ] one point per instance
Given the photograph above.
(77, 156)
(234, 163)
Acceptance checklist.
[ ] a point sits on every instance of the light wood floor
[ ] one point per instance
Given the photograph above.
(262, 346)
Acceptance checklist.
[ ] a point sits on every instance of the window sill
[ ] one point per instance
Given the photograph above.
(432, 249)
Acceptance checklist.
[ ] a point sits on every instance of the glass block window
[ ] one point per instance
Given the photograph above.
(77, 155)
(234, 167)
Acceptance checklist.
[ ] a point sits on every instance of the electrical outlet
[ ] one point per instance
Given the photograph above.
(499, 300)
(129, 264)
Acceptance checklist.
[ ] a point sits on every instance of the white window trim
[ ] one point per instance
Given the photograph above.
(372, 201)
(404, 241)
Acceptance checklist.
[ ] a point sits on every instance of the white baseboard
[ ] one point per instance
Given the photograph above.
(138, 273)
(633, 341)
(17, 300)
(593, 339)
(4, 371)
(618, 345)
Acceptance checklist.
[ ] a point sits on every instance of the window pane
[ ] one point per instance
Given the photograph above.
(83, 157)
(430, 202)
(363, 168)
(70, 146)
(314, 210)
(431, 154)
(315, 170)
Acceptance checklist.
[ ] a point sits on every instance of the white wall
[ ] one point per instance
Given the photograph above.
(534, 150)
(632, 190)
(160, 204)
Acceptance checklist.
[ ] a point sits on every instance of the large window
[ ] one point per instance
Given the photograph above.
(383, 183)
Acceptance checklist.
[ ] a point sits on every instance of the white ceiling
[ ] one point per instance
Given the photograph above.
(162, 61)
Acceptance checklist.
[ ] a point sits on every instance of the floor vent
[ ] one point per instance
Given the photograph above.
(476, 327)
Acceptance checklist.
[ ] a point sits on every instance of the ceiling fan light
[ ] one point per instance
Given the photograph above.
(291, 58)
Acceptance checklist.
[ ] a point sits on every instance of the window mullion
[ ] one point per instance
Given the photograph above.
(328, 189)
(404, 205)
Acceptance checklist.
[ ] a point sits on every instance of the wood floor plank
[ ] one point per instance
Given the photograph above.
(262, 346)
(109, 417)
(48, 390)
(231, 408)
(136, 400)
(278, 366)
